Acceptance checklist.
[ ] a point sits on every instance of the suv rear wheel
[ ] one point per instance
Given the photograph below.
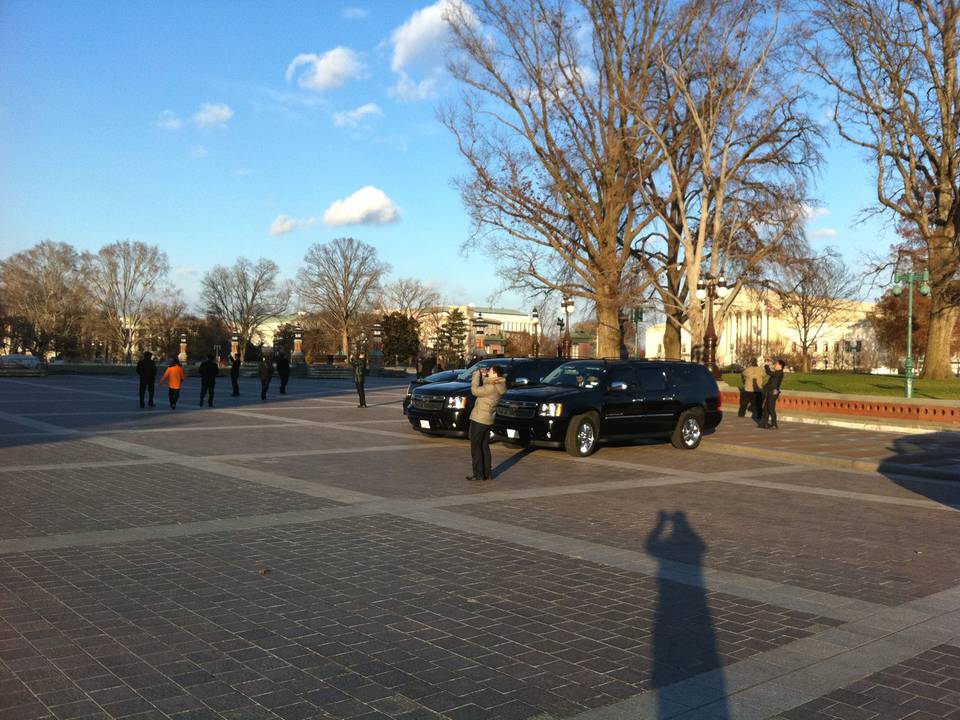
(689, 430)
(581, 439)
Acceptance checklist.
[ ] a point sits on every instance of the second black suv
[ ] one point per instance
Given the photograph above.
(444, 408)
(586, 401)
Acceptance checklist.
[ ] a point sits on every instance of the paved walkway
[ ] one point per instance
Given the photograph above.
(303, 558)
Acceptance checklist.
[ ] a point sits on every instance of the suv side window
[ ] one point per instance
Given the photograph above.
(625, 375)
(652, 379)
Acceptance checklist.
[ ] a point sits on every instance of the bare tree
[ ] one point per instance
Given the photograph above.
(245, 296)
(893, 65)
(163, 322)
(123, 278)
(44, 295)
(338, 281)
(410, 297)
(555, 155)
(814, 292)
(737, 151)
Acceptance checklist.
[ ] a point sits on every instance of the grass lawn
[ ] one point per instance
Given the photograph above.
(851, 384)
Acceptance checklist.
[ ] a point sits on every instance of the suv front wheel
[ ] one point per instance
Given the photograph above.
(689, 430)
(582, 432)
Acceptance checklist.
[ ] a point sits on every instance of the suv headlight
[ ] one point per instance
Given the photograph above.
(410, 390)
(551, 409)
(457, 402)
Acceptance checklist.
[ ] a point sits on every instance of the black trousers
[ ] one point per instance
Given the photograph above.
(206, 388)
(174, 396)
(235, 381)
(264, 386)
(361, 393)
(284, 379)
(752, 399)
(480, 450)
(146, 386)
(770, 408)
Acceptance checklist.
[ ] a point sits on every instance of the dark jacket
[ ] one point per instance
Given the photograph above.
(283, 366)
(147, 370)
(773, 381)
(359, 371)
(209, 370)
(265, 370)
(235, 367)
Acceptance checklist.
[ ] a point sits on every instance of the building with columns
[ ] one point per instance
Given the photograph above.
(755, 326)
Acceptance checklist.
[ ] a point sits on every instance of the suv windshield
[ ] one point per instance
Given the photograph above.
(577, 374)
(464, 376)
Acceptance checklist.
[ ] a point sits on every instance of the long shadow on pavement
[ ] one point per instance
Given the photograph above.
(935, 457)
(684, 636)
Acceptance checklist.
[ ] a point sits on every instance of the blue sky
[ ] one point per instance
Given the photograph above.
(199, 126)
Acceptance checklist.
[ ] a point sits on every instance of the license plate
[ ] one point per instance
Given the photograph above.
(425, 424)
(511, 433)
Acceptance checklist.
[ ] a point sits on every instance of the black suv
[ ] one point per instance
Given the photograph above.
(437, 377)
(444, 408)
(586, 401)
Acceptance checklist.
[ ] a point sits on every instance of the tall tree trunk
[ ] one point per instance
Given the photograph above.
(672, 339)
(608, 328)
(944, 308)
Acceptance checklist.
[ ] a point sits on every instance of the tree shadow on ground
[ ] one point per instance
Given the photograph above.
(928, 465)
(684, 636)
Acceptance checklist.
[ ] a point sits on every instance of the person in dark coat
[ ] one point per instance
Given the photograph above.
(209, 370)
(771, 391)
(235, 373)
(265, 371)
(360, 378)
(283, 370)
(147, 370)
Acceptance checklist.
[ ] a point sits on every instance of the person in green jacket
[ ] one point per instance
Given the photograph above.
(359, 378)
(481, 418)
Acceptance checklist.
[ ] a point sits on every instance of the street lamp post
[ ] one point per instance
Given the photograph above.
(183, 348)
(637, 319)
(567, 305)
(560, 327)
(622, 319)
(479, 329)
(377, 352)
(708, 288)
(910, 278)
(535, 319)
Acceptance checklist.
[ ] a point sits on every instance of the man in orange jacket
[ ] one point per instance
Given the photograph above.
(174, 377)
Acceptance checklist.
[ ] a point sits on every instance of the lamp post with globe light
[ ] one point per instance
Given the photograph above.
(567, 305)
(910, 278)
(560, 326)
(535, 321)
(708, 288)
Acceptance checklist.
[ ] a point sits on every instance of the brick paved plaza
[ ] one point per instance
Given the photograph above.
(303, 558)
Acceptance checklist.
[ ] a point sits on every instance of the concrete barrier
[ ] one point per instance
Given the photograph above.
(914, 409)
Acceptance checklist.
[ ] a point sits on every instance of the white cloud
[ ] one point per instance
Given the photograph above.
(420, 43)
(329, 70)
(352, 118)
(284, 224)
(367, 206)
(825, 233)
(185, 270)
(810, 212)
(198, 151)
(354, 13)
(168, 120)
(211, 115)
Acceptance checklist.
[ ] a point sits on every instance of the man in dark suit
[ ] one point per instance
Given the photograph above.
(283, 370)
(209, 370)
(147, 370)
(265, 371)
(235, 373)
(360, 378)
(771, 391)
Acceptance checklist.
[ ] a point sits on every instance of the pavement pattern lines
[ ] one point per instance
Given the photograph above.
(770, 682)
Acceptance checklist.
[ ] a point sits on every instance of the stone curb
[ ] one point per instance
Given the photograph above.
(873, 424)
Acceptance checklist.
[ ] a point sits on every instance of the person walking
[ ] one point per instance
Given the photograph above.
(174, 377)
(481, 418)
(283, 370)
(209, 370)
(771, 391)
(360, 378)
(147, 370)
(265, 371)
(751, 391)
(235, 373)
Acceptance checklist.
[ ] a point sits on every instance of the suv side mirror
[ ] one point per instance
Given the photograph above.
(618, 386)
(521, 381)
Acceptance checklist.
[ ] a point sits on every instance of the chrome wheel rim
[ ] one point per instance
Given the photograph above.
(585, 437)
(690, 431)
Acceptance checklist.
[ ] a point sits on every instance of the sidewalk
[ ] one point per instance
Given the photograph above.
(930, 452)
